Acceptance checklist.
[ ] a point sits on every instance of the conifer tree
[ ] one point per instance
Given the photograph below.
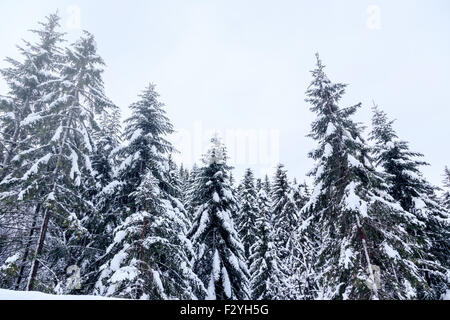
(263, 199)
(190, 197)
(184, 176)
(62, 168)
(149, 257)
(231, 180)
(107, 140)
(417, 196)
(173, 178)
(28, 82)
(219, 260)
(364, 248)
(266, 184)
(103, 221)
(266, 270)
(284, 212)
(299, 194)
(248, 214)
(285, 222)
(55, 171)
(301, 283)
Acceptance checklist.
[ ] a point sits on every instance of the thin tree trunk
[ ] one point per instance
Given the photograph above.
(369, 263)
(40, 245)
(27, 248)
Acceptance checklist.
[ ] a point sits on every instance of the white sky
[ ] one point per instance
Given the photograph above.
(241, 65)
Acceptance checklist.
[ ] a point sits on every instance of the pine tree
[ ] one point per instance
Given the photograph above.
(190, 197)
(231, 180)
(301, 278)
(284, 212)
(266, 270)
(56, 171)
(364, 250)
(103, 221)
(72, 121)
(150, 255)
(173, 178)
(28, 85)
(417, 196)
(285, 221)
(184, 177)
(266, 184)
(219, 260)
(107, 140)
(148, 261)
(300, 194)
(248, 214)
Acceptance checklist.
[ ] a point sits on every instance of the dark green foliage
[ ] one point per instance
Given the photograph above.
(219, 260)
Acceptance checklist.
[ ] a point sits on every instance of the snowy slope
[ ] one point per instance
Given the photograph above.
(20, 295)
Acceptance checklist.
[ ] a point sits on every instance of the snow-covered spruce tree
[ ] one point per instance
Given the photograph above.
(258, 186)
(301, 282)
(56, 171)
(248, 214)
(190, 197)
(107, 140)
(173, 178)
(150, 255)
(184, 176)
(148, 262)
(267, 274)
(102, 222)
(231, 180)
(237, 190)
(28, 84)
(284, 212)
(417, 196)
(364, 249)
(27, 80)
(267, 185)
(183, 173)
(299, 194)
(82, 89)
(219, 260)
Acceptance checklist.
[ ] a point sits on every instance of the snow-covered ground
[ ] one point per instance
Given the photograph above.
(447, 295)
(20, 295)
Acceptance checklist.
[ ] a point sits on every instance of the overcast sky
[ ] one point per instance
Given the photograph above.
(237, 66)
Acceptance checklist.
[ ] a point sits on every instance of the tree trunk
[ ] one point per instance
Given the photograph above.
(27, 248)
(40, 245)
